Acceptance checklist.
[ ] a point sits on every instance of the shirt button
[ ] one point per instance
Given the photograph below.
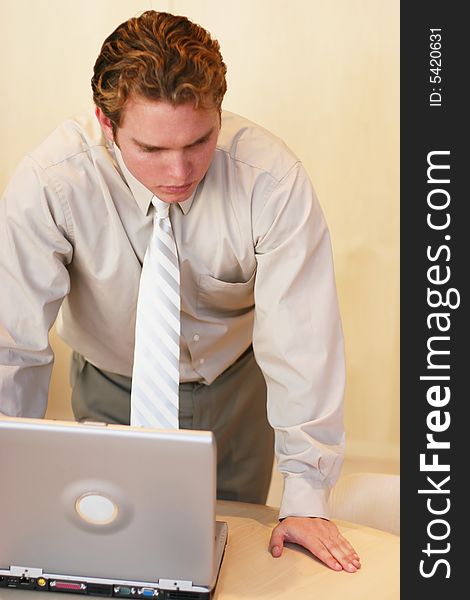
(201, 361)
(196, 337)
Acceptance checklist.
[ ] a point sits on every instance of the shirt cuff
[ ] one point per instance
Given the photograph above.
(302, 499)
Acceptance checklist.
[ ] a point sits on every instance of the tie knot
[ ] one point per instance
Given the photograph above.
(162, 208)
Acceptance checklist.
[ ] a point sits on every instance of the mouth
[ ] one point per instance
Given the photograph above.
(176, 189)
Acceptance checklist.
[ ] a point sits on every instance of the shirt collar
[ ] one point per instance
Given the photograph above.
(142, 195)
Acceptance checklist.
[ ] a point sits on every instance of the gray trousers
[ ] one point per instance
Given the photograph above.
(233, 407)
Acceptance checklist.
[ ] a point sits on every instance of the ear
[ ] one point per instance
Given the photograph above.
(105, 123)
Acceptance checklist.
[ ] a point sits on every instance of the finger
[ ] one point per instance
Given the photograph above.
(334, 550)
(319, 550)
(276, 543)
(344, 553)
(355, 559)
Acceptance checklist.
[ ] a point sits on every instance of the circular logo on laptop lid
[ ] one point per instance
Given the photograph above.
(96, 508)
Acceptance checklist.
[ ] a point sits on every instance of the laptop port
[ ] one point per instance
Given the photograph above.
(67, 586)
(183, 595)
(100, 589)
(26, 583)
(125, 591)
(147, 592)
(41, 584)
(3, 581)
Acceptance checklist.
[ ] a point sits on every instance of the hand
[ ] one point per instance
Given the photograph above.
(321, 537)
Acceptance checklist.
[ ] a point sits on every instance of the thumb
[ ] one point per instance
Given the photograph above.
(276, 543)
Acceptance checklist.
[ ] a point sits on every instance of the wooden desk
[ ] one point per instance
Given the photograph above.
(249, 571)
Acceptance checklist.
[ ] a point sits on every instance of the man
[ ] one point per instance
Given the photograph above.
(259, 315)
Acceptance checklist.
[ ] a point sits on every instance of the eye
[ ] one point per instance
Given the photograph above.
(203, 141)
(146, 150)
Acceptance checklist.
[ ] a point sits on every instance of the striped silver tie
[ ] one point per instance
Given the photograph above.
(155, 377)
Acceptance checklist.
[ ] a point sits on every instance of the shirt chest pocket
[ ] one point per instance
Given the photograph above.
(218, 298)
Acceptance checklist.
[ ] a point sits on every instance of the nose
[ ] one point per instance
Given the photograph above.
(178, 168)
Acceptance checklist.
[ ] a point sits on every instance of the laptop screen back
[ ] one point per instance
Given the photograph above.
(110, 502)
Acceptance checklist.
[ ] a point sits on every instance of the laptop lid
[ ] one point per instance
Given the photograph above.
(95, 502)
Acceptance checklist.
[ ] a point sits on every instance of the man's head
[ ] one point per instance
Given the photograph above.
(158, 56)
(158, 86)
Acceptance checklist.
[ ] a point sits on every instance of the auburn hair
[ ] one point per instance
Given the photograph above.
(158, 56)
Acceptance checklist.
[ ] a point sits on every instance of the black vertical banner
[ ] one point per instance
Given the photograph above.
(435, 357)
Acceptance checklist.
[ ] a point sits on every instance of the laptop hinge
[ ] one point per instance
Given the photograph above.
(172, 584)
(25, 571)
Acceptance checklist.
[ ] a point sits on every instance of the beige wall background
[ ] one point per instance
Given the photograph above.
(322, 75)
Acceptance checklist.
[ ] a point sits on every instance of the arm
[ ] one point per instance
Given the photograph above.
(34, 251)
(298, 344)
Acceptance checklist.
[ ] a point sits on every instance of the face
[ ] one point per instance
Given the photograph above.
(167, 148)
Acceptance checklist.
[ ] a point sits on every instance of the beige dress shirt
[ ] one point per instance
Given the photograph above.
(256, 267)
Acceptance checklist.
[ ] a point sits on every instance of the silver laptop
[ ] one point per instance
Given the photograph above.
(108, 510)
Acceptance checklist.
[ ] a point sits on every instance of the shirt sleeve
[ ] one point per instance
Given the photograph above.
(298, 342)
(35, 248)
